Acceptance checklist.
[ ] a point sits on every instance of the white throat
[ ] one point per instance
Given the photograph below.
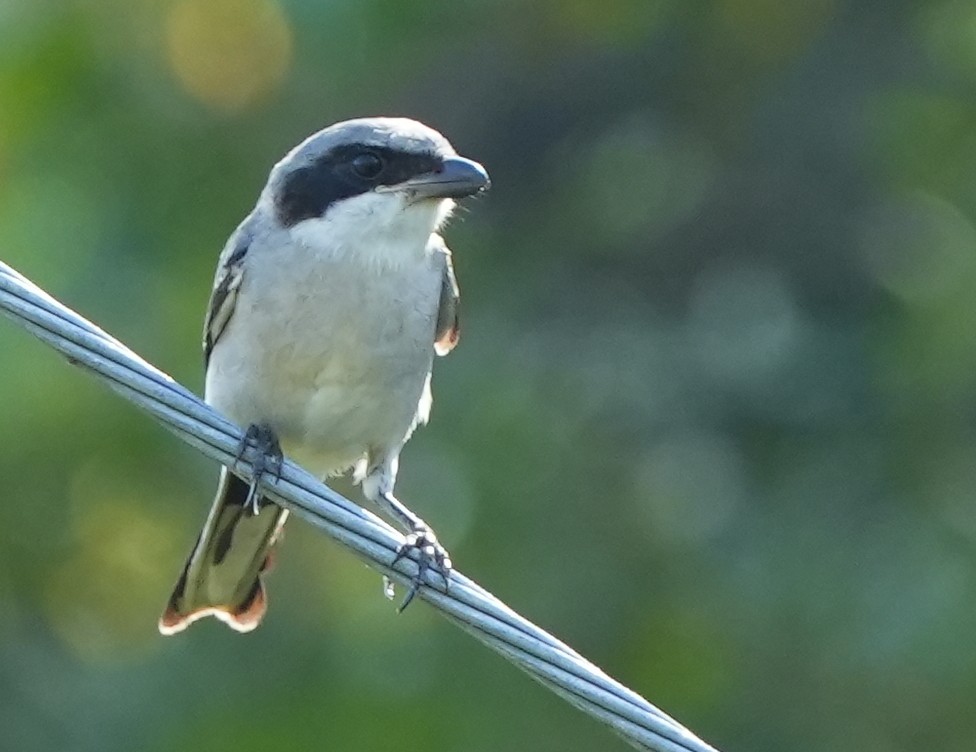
(378, 231)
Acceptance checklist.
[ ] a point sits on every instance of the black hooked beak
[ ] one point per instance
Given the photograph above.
(457, 177)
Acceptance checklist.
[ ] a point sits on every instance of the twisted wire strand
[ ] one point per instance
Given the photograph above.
(466, 604)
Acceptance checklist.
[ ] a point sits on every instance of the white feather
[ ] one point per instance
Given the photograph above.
(331, 339)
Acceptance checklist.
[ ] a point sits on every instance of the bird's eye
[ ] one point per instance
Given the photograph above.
(367, 165)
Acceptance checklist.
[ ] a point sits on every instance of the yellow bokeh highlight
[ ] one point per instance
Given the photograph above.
(771, 30)
(613, 22)
(228, 54)
(102, 600)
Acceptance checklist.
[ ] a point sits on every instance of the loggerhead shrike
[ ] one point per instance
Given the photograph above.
(329, 303)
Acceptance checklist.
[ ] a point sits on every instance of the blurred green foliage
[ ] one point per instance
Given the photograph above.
(713, 419)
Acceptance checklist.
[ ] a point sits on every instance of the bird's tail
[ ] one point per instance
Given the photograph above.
(222, 577)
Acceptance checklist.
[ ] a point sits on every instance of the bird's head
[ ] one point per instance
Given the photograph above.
(370, 183)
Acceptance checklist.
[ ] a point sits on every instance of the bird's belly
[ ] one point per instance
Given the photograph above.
(335, 378)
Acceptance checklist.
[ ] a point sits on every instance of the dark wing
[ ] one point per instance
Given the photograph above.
(230, 272)
(448, 330)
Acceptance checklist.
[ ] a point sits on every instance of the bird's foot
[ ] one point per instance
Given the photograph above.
(266, 459)
(431, 556)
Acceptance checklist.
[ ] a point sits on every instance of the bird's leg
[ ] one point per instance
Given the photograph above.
(431, 555)
(262, 442)
(420, 538)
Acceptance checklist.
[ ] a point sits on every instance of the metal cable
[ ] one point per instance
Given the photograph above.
(466, 604)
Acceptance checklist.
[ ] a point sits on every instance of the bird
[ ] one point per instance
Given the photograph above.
(330, 301)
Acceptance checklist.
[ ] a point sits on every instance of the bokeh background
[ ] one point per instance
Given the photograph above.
(712, 420)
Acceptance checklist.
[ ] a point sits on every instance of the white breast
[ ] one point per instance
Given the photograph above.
(332, 353)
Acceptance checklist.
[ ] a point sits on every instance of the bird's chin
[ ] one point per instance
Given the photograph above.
(445, 208)
(424, 216)
(432, 212)
(376, 226)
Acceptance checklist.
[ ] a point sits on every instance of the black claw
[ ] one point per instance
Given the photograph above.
(414, 587)
(276, 462)
(431, 556)
(268, 461)
(400, 554)
(445, 573)
(242, 449)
